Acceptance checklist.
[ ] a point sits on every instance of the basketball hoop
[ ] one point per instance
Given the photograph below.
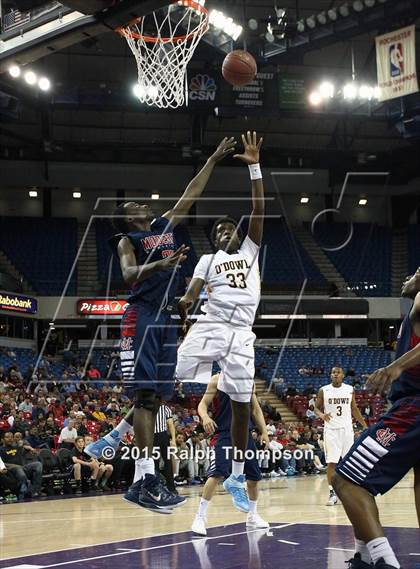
(163, 44)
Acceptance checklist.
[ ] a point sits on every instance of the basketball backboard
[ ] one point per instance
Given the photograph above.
(28, 35)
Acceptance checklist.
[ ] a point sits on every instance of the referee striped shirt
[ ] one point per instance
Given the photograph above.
(164, 413)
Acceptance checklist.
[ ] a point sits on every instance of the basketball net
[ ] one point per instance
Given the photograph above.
(162, 53)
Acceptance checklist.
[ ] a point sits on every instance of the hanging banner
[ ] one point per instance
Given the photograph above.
(396, 62)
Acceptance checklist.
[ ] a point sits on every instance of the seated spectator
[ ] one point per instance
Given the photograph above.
(310, 413)
(25, 406)
(28, 474)
(98, 415)
(20, 424)
(68, 435)
(34, 440)
(84, 466)
(71, 417)
(113, 410)
(271, 427)
(181, 463)
(9, 485)
(93, 373)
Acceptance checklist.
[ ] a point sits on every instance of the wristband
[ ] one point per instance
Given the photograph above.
(255, 172)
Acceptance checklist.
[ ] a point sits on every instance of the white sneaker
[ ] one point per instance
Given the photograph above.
(332, 500)
(255, 521)
(199, 525)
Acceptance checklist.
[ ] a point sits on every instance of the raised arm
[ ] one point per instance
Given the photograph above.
(196, 187)
(132, 272)
(251, 156)
(203, 407)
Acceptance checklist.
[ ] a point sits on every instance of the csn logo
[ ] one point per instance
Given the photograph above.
(202, 88)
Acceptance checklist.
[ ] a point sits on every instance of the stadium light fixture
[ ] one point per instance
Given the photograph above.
(370, 3)
(363, 201)
(304, 199)
(155, 196)
(327, 90)
(44, 84)
(344, 10)
(311, 22)
(14, 71)
(77, 195)
(33, 194)
(322, 18)
(301, 26)
(350, 91)
(30, 78)
(358, 6)
(332, 14)
(366, 92)
(225, 24)
(253, 24)
(315, 99)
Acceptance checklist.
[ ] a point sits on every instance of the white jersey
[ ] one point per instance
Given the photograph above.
(337, 402)
(234, 283)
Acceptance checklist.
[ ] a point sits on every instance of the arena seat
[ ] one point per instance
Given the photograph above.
(44, 252)
(365, 262)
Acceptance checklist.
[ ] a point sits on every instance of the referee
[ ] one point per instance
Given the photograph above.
(163, 439)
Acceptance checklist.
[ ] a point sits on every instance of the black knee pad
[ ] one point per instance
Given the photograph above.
(146, 399)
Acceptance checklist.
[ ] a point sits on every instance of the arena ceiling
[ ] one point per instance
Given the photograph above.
(124, 131)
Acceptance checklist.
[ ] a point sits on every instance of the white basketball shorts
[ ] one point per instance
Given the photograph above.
(231, 347)
(337, 443)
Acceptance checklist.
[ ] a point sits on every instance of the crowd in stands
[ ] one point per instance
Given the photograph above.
(45, 423)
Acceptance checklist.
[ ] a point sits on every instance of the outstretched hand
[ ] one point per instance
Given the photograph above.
(252, 149)
(380, 380)
(226, 147)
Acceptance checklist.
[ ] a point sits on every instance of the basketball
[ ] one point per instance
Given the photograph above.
(239, 68)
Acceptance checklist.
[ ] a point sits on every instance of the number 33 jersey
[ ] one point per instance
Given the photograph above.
(234, 284)
(337, 402)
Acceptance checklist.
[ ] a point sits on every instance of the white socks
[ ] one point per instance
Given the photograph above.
(380, 548)
(237, 468)
(143, 466)
(361, 548)
(252, 508)
(202, 508)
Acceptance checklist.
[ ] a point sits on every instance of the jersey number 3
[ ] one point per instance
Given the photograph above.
(236, 281)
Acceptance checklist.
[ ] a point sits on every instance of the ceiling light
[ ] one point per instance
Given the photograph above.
(155, 196)
(358, 6)
(301, 26)
(30, 78)
(222, 22)
(152, 91)
(315, 98)
(363, 201)
(327, 90)
(322, 18)
(370, 3)
(44, 84)
(344, 10)
(311, 22)
(366, 92)
(33, 194)
(77, 195)
(304, 199)
(332, 14)
(350, 91)
(253, 24)
(269, 37)
(376, 92)
(14, 71)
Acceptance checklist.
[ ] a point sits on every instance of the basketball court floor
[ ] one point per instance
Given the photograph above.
(103, 532)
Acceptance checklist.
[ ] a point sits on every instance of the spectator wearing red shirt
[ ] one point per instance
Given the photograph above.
(93, 373)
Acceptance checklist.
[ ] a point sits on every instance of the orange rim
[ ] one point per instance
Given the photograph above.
(126, 31)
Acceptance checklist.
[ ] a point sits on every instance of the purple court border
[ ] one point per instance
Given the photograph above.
(284, 546)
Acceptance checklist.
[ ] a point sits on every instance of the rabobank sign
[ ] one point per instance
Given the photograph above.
(18, 303)
(202, 88)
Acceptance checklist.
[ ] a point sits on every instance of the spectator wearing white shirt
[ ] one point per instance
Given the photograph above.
(68, 435)
(25, 406)
(271, 427)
